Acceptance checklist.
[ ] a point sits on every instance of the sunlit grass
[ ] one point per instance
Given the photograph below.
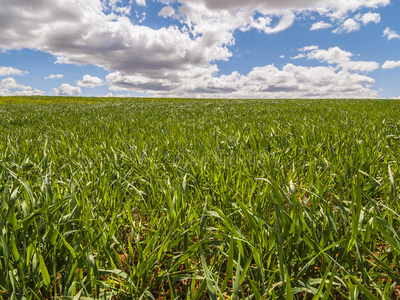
(198, 199)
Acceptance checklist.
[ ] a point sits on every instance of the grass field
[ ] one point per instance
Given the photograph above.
(199, 199)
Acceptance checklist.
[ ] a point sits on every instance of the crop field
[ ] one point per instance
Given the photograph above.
(199, 199)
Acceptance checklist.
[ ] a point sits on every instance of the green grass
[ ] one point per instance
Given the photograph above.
(199, 199)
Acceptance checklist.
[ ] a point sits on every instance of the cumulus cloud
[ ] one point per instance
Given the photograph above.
(10, 87)
(320, 25)
(360, 66)
(180, 59)
(54, 76)
(101, 33)
(342, 6)
(390, 64)
(262, 23)
(335, 55)
(10, 83)
(262, 82)
(166, 11)
(141, 2)
(354, 24)
(67, 90)
(340, 80)
(89, 81)
(80, 32)
(118, 7)
(9, 71)
(390, 34)
(119, 95)
(370, 18)
(350, 25)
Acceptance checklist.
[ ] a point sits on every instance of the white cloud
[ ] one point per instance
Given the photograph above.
(8, 84)
(172, 59)
(100, 33)
(117, 6)
(360, 66)
(370, 18)
(141, 2)
(262, 82)
(89, 81)
(9, 71)
(320, 25)
(118, 95)
(335, 55)
(354, 24)
(80, 32)
(323, 5)
(54, 76)
(67, 90)
(141, 17)
(350, 25)
(263, 23)
(308, 48)
(166, 11)
(390, 64)
(390, 34)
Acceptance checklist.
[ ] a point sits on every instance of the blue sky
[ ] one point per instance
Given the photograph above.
(202, 48)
